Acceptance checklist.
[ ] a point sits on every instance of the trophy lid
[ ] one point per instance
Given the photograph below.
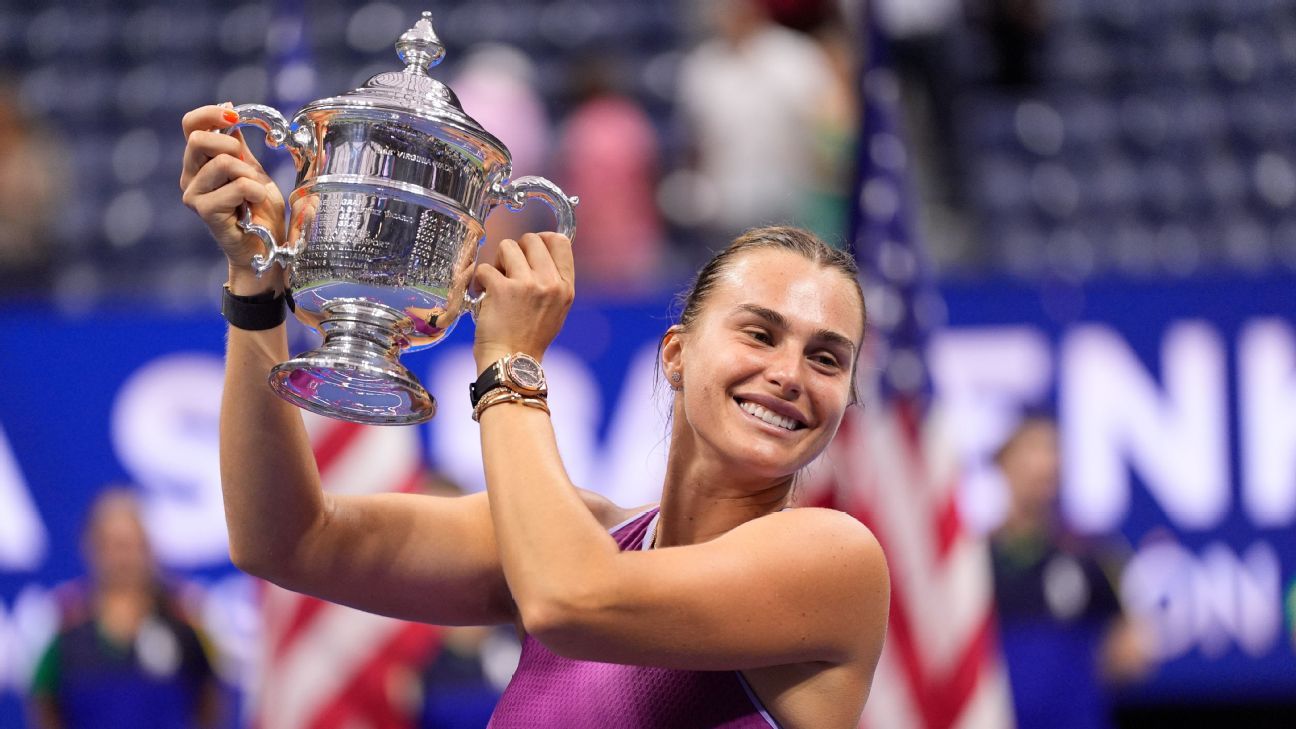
(412, 91)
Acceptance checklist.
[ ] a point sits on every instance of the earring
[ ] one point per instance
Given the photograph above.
(675, 379)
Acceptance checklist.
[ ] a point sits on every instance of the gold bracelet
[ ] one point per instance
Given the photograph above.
(491, 398)
(502, 395)
(509, 396)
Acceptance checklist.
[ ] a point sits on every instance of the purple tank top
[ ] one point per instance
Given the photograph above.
(552, 692)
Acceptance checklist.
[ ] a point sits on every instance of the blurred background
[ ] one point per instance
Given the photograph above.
(1076, 224)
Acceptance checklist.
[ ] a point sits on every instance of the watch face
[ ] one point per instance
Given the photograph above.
(526, 372)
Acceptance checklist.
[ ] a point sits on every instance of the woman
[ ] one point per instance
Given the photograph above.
(125, 654)
(719, 608)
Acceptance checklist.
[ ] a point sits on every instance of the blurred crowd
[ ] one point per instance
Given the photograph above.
(677, 124)
(1047, 137)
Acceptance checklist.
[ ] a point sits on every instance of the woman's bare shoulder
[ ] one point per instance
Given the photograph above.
(607, 512)
(847, 554)
(820, 518)
(826, 531)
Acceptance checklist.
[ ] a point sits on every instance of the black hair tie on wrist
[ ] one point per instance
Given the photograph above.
(258, 312)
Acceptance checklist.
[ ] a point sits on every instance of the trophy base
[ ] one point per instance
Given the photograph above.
(355, 374)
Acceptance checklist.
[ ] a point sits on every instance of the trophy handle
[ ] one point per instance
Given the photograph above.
(514, 195)
(473, 303)
(278, 134)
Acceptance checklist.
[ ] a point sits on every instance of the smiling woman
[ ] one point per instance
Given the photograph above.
(719, 606)
(782, 313)
(787, 604)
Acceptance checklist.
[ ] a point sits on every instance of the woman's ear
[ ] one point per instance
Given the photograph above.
(672, 356)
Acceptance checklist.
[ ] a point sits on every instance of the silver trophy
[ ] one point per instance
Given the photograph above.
(394, 182)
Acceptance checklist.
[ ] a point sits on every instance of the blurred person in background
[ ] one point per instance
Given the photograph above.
(1016, 29)
(125, 656)
(608, 154)
(1061, 624)
(921, 38)
(827, 199)
(462, 685)
(1291, 612)
(756, 97)
(496, 86)
(456, 692)
(31, 183)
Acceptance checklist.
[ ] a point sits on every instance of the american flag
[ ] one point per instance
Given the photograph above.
(893, 464)
(325, 666)
(321, 665)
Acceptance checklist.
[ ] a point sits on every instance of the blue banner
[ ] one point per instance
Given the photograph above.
(1177, 403)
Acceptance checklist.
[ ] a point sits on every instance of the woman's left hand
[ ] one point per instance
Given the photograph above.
(529, 288)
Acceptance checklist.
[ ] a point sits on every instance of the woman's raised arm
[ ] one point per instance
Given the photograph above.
(414, 556)
(417, 557)
(802, 586)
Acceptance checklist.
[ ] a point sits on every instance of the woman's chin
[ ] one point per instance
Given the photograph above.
(766, 463)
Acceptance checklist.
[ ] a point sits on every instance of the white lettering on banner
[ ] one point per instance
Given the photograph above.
(1114, 417)
(984, 376)
(231, 617)
(165, 426)
(575, 404)
(25, 631)
(8, 641)
(1267, 409)
(633, 462)
(23, 540)
(628, 468)
(453, 442)
(1211, 603)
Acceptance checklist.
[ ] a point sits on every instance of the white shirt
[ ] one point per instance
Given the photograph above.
(751, 108)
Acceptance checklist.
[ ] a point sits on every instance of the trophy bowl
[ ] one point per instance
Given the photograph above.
(393, 184)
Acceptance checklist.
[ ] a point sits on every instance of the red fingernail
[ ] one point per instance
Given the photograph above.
(230, 115)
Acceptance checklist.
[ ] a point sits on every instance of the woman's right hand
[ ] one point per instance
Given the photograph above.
(220, 173)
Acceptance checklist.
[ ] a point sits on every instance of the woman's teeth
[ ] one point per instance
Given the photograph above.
(768, 416)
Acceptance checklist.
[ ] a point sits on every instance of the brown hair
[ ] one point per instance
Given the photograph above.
(795, 240)
(111, 496)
